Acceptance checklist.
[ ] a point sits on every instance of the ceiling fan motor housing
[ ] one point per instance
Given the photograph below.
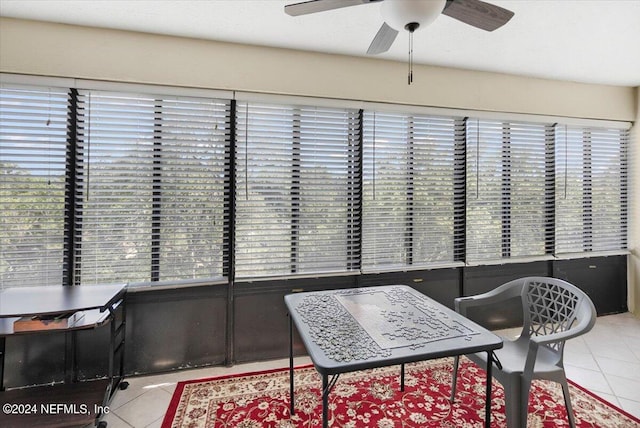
(400, 14)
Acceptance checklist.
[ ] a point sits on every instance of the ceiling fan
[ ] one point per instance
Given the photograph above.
(412, 14)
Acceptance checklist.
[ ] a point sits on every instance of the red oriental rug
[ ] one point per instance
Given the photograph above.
(372, 398)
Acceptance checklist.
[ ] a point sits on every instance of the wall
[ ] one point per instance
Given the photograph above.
(634, 213)
(62, 50)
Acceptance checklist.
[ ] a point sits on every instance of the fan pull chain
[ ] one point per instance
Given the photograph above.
(410, 76)
(411, 27)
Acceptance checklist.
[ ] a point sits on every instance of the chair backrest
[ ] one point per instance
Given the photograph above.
(551, 306)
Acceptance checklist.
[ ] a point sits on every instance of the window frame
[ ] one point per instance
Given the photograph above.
(426, 135)
(357, 209)
(285, 140)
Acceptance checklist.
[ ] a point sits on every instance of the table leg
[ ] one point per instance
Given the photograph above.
(325, 400)
(291, 398)
(402, 377)
(487, 408)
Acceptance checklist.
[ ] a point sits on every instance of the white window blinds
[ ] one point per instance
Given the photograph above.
(591, 189)
(297, 194)
(33, 135)
(151, 175)
(106, 185)
(509, 190)
(413, 190)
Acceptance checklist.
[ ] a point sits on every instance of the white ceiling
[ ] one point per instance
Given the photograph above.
(590, 41)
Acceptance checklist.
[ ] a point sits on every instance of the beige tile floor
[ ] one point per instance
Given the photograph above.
(606, 361)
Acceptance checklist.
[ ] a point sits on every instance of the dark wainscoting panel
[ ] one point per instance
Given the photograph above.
(480, 279)
(260, 317)
(261, 325)
(604, 279)
(187, 327)
(442, 285)
(92, 352)
(34, 359)
(175, 329)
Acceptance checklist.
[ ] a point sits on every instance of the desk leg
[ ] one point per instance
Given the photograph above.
(325, 400)
(487, 408)
(291, 366)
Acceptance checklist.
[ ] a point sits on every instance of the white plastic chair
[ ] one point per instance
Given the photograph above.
(553, 312)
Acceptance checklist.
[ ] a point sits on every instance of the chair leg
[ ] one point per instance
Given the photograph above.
(525, 387)
(513, 402)
(456, 361)
(567, 403)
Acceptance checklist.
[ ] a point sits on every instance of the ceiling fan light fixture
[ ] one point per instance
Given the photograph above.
(399, 13)
(411, 15)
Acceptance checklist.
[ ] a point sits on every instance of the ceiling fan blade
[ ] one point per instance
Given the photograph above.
(478, 13)
(383, 40)
(313, 6)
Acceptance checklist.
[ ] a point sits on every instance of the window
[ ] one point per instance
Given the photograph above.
(119, 184)
(150, 188)
(33, 152)
(413, 190)
(297, 195)
(591, 189)
(509, 192)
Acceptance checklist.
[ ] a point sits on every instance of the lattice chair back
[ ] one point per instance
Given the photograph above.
(552, 306)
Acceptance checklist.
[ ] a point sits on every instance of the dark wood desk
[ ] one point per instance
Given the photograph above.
(22, 301)
(99, 305)
(362, 328)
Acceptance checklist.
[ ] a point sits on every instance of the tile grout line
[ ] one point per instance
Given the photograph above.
(601, 370)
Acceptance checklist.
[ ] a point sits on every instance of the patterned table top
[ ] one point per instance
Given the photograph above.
(351, 329)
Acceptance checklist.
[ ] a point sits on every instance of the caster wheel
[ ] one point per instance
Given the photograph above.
(123, 385)
(102, 424)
